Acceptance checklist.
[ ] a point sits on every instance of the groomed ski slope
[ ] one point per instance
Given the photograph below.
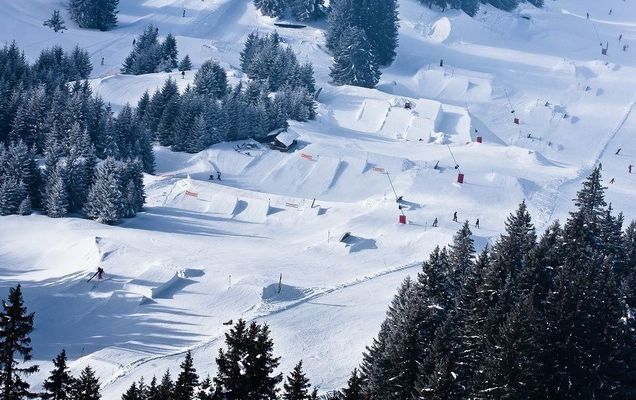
(205, 252)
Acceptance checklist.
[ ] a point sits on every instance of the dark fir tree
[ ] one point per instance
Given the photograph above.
(185, 64)
(271, 8)
(354, 389)
(56, 22)
(56, 197)
(105, 201)
(58, 385)
(86, 386)
(355, 62)
(94, 14)
(16, 324)
(211, 80)
(187, 381)
(297, 385)
(169, 54)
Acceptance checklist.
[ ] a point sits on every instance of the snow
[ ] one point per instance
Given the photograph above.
(187, 264)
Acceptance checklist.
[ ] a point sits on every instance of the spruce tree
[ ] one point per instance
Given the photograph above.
(56, 198)
(211, 80)
(56, 22)
(16, 324)
(169, 53)
(105, 199)
(185, 64)
(12, 194)
(133, 393)
(271, 8)
(354, 389)
(58, 385)
(86, 386)
(165, 389)
(187, 381)
(355, 62)
(297, 385)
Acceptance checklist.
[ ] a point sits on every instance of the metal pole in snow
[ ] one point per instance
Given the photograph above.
(392, 187)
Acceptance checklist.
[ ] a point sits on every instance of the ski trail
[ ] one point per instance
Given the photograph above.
(547, 199)
(125, 369)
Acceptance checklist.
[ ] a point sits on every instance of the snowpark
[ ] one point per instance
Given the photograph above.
(523, 102)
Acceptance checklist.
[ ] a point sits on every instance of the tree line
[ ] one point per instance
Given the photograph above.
(60, 144)
(149, 55)
(212, 111)
(94, 14)
(528, 318)
(301, 10)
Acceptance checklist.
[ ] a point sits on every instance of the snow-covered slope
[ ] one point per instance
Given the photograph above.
(205, 252)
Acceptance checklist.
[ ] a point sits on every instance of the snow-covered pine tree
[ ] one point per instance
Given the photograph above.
(56, 22)
(185, 64)
(307, 10)
(81, 167)
(169, 54)
(354, 389)
(12, 193)
(461, 257)
(211, 80)
(16, 324)
(132, 393)
(165, 389)
(94, 14)
(132, 186)
(25, 206)
(297, 385)
(56, 196)
(381, 28)
(86, 386)
(105, 200)
(187, 381)
(271, 8)
(58, 385)
(354, 60)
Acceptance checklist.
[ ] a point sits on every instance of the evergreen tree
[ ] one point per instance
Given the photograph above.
(187, 381)
(94, 14)
(12, 194)
(25, 206)
(297, 385)
(460, 257)
(58, 385)
(133, 393)
(105, 199)
(16, 324)
(245, 369)
(166, 387)
(354, 389)
(307, 10)
(185, 64)
(205, 390)
(354, 60)
(56, 22)
(169, 54)
(86, 386)
(271, 8)
(56, 198)
(211, 80)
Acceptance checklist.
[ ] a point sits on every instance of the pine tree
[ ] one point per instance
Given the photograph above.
(166, 387)
(187, 381)
(297, 385)
(211, 80)
(56, 22)
(16, 323)
(354, 389)
(153, 391)
(105, 199)
(205, 390)
(58, 385)
(133, 393)
(340, 20)
(354, 60)
(12, 193)
(94, 14)
(307, 10)
(25, 206)
(460, 257)
(56, 197)
(169, 54)
(271, 8)
(86, 386)
(185, 64)
(245, 369)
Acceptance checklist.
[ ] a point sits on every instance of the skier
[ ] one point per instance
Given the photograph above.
(610, 12)
(455, 216)
(218, 175)
(182, 74)
(211, 177)
(134, 42)
(435, 223)
(629, 168)
(441, 62)
(588, 15)
(477, 223)
(102, 60)
(620, 37)
(612, 180)
(184, 13)
(618, 151)
(99, 274)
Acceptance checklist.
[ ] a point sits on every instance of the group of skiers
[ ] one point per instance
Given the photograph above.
(630, 167)
(436, 221)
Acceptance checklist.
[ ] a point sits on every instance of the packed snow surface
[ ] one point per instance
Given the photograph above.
(205, 252)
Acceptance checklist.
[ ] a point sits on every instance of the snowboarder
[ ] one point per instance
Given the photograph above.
(610, 11)
(587, 15)
(612, 180)
(211, 178)
(184, 13)
(455, 216)
(441, 62)
(435, 223)
(218, 175)
(629, 168)
(477, 223)
(102, 60)
(618, 151)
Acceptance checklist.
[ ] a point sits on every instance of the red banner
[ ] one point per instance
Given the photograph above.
(191, 194)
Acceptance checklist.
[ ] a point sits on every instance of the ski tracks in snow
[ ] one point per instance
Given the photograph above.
(547, 199)
(126, 369)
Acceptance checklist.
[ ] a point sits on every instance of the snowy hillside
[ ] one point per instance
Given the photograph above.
(204, 252)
